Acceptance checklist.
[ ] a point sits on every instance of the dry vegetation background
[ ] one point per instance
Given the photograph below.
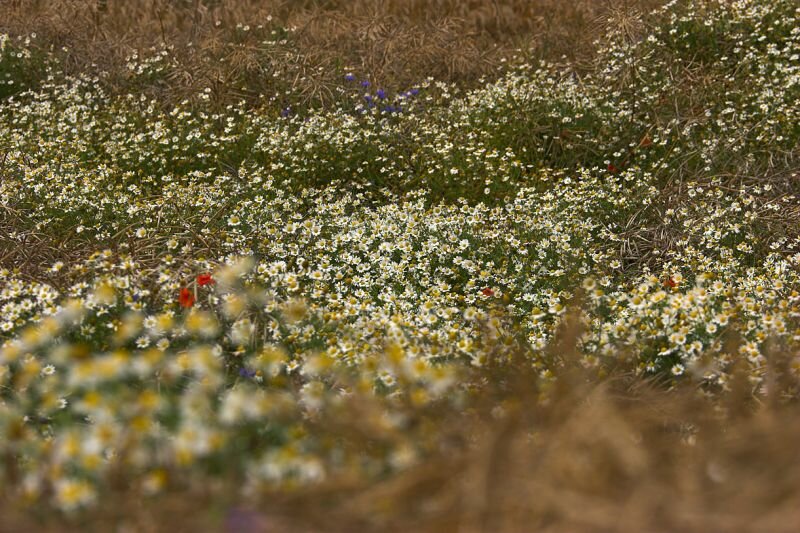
(393, 43)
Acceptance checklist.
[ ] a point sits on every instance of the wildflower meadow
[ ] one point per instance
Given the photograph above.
(560, 295)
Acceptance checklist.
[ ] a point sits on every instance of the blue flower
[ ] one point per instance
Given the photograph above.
(381, 94)
(365, 83)
(349, 77)
(414, 91)
(246, 373)
(286, 112)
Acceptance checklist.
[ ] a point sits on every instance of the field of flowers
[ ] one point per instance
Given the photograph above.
(271, 298)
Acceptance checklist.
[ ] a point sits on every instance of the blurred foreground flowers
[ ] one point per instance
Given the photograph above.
(272, 392)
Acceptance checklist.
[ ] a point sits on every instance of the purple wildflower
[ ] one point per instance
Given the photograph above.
(246, 373)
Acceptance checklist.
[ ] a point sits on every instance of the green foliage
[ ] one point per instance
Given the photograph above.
(21, 68)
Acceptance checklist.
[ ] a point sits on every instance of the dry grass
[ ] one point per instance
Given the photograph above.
(648, 236)
(574, 455)
(395, 43)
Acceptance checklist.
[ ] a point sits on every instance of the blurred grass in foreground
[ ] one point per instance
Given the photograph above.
(570, 454)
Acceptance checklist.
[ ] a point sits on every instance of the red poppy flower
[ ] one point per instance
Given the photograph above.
(671, 283)
(613, 169)
(186, 298)
(487, 292)
(204, 279)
